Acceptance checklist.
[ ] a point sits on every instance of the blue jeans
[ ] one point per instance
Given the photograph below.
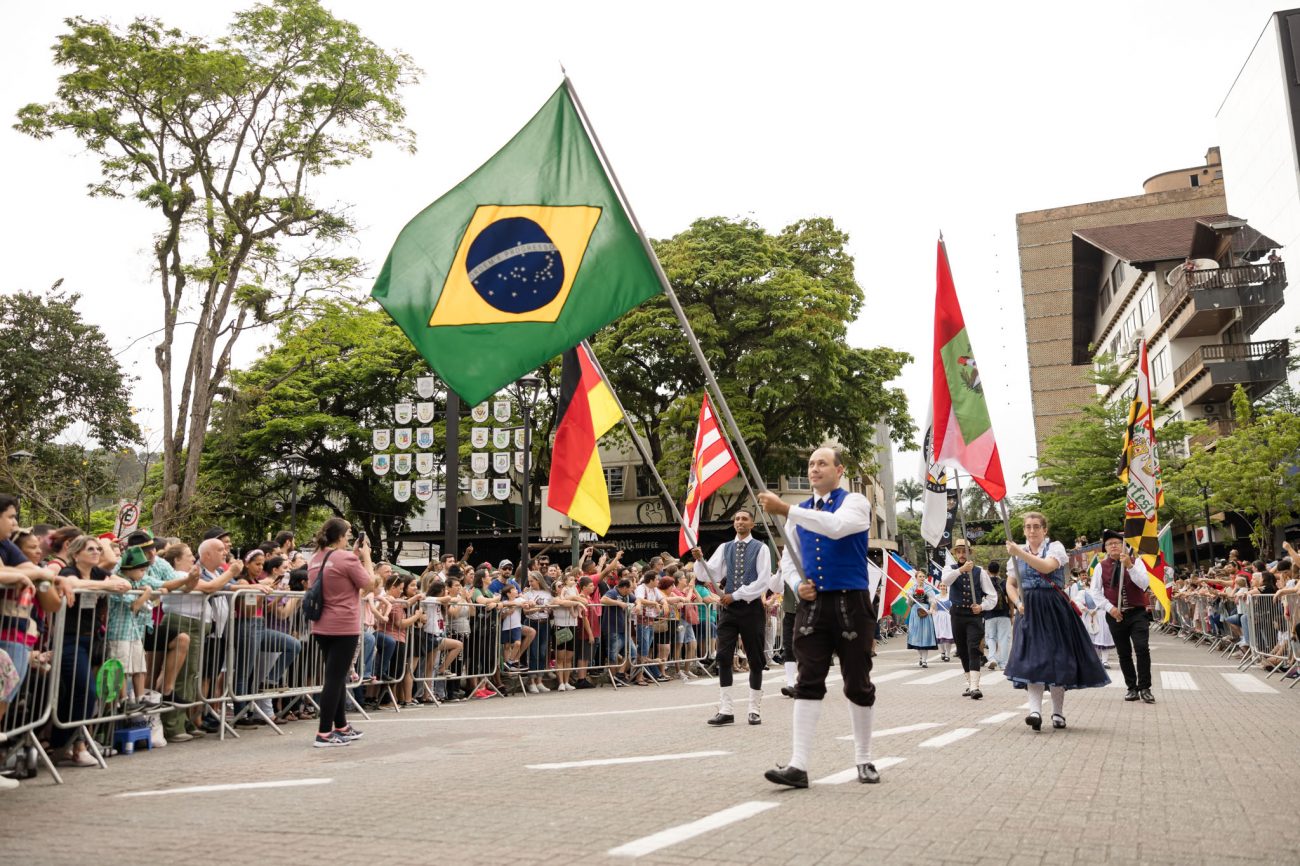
(19, 654)
(254, 639)
(539, 649)
(76, 696)
(386, 645)
(645, 639)
(997, 638)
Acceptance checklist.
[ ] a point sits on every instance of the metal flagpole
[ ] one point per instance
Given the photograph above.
(961, 515)
(720, 402)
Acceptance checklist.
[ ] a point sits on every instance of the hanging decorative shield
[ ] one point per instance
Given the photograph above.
(402, 464)
(402, 438)
(464, 482)
(424, 412)
(380, 464)
(478, 462)
(424, 463)
(501, 462)
(402, 413)
(424, 386)
(501, 410)
(423, 489)
(478, 488)
(519, 462)
(479, 413)
(401, 490)
(500, 439)
(424, 437)
(519, 439)
(501, 488)
(382, 438)
(478, 437)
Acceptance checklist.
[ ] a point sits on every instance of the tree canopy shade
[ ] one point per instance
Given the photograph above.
(222, 140)
(771, 312)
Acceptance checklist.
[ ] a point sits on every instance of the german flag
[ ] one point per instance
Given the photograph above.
(587, 411)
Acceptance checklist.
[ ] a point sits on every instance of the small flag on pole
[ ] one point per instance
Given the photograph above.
(1139, 469)
(900, 578)
(587, 410)
(712, 465)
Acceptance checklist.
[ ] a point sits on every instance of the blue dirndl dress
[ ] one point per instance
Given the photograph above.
(920, 629)
(1050, 644)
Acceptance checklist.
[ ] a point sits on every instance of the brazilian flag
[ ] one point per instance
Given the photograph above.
(523, 260)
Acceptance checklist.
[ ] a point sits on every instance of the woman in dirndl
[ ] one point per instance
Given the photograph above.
(1094, 620)
(1051, 648)
(943, 625)
(920, 622)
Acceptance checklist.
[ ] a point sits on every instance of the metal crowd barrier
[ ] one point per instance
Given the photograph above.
(1271, 643)
(32, 705)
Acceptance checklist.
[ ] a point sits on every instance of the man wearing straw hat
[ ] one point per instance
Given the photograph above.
(971, 593)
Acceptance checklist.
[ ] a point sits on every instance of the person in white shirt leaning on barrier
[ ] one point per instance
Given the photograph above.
(1119, 587)
(971, 592)
(742, 570)
(829, 534)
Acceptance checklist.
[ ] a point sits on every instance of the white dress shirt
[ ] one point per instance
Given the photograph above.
(990, 598)
(1138, 573)
(765, 582)
(854, 515)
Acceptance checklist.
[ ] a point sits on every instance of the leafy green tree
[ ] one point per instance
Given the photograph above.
(771, 312)
(909, 490)
(222, 141)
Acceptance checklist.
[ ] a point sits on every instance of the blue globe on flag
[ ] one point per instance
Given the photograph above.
(515, 266)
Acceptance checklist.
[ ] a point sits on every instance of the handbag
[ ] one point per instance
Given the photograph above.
(659, 626)
(563, 635)
(313, 600)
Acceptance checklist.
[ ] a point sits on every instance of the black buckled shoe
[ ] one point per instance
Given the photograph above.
(1058, 721)
(1035, 721)
(966, 694)
(788, 691)
(721, 719)
(868, 775)
(755, 719)
(976, 694)
(1131, 695)
(791, 776)
(1147, 697)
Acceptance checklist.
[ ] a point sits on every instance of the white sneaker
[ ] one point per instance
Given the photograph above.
(542, 687)
(532, 689)
(682, 676)
(7, 784)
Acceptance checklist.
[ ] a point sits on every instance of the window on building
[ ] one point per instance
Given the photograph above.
(645, 484)
(1196, 180)
(614, 480)
(1160, 366)
(797, 482)
(1129, 327)
(1117, 277)
(1147, 306)
(1106, 295)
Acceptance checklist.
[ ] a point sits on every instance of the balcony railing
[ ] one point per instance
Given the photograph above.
(1206, 356)
(1184, 282)
(1217, 428)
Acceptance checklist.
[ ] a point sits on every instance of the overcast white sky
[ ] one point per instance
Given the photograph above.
(897, 120)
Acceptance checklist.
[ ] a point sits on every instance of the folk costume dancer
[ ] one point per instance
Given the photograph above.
(745, 566)
(1094, 619)
(920, 622)
(1050, 648)
(1119, 588)
(829, 535)
(941, 616)
(971, 593)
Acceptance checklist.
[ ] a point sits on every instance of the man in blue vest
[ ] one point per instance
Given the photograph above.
(828, 536)
(971, 593)
(745, 567)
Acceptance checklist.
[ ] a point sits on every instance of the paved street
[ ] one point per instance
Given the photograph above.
(1206, 775)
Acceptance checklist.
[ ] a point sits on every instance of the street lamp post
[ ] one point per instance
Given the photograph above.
(1209, 533)
(295, 463)
(526, 390)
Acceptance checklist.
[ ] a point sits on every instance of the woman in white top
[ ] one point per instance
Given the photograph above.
(650, 611)
(565, 622)
(537, 608)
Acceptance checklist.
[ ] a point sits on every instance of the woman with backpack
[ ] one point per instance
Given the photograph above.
(343, 575)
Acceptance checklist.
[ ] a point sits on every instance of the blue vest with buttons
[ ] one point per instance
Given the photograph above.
(834, 563)
(963, 592)
(730, 581)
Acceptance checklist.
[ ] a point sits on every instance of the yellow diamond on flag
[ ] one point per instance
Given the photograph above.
(515, 263)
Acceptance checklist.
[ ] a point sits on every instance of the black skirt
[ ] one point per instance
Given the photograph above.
(1051, 646)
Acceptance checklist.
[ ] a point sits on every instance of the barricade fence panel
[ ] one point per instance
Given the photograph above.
(27, 703)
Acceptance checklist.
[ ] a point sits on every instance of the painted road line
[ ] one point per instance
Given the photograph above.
(1178, 681)
(1173, 665)
(894, 675)
(905, 729)
(1249, 683)
(947, 739)
(936, 678)
(609, 762)
(536, 716)
(242, 786)
(851, 774)
(997, 718)
(682, 832)
(712, 681)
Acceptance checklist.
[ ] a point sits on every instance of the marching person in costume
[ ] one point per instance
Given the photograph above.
(1050, 648)
(920, 621)
(942, 617)
(828, 533)
(971, 593)
(1119, 589)
(745, 566)
(1094, 618)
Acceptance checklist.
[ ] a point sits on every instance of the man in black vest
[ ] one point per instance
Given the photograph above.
(1119, 588)
(971, 593)
(745, 566)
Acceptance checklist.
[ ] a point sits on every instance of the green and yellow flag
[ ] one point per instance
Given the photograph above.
(521, 261)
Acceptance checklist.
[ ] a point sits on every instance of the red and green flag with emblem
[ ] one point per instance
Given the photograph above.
(963, 433)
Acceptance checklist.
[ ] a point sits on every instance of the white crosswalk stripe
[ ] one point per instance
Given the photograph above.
(946, 739)
(1178, 681)
(936, 678)
(1249, 684)
(851, 774)
(905, 729)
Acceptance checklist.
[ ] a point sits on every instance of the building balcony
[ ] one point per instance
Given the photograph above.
(1217, 428)
(1204, 302)
(1212, 373)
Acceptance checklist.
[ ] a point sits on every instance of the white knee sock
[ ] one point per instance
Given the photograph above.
(1035, 697)
(967, 679)
(1058, 700)
(791, 673)
(724, 701)
(755, 701)
(861, 718)
(925, 654)
(1104, 655)
(806, 714)
(974, 677)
